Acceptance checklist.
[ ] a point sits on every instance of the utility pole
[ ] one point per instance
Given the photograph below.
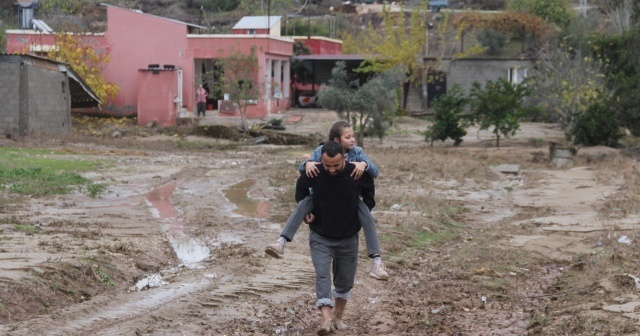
(425, 64)
(583, 7)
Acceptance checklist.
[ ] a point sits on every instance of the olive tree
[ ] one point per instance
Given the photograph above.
(498, 105)
(366, 106)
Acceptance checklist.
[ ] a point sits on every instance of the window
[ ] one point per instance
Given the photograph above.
(251, 31)
(517, 75)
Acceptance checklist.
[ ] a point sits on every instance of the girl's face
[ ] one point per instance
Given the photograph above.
(347, 138)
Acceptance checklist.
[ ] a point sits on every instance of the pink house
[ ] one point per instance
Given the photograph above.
(158, 63)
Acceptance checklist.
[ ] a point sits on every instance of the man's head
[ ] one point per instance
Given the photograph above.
(332, 157)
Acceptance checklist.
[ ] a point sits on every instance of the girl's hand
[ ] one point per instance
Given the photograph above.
(309, 218)
(311, 169)
(360, 167)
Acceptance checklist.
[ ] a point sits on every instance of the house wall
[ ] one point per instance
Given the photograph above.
(29, 41)
(270, 50)
(246, 31)
(10, 97)
(137, 40)
(320, 45)
(467, 71)
(156, 97)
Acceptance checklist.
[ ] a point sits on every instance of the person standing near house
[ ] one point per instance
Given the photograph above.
(334, 225)
(201, 100)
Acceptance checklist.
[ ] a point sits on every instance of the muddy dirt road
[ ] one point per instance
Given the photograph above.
(175, 247)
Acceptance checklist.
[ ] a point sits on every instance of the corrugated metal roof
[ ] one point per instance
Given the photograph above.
(257, 22)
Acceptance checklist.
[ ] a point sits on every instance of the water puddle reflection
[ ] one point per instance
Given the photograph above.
(237, 194)
(189, 250)
(151, 281)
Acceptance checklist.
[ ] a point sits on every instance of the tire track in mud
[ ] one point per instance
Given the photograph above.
(228, 298)
(193, 297)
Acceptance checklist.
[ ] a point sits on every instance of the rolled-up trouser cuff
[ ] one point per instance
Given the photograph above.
(344, 296)
(324, 302)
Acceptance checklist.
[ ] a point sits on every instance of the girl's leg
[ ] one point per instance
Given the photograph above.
(293, 223)
(378, 271)
(369, 228)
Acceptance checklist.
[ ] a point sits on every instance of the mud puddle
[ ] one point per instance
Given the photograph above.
(190, 251)
(245, 206)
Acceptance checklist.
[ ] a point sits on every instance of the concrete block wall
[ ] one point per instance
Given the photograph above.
(10, 98)
(467, 71)
(49, 101)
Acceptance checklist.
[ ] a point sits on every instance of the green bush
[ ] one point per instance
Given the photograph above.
(447, 121)
(63, 6)
(596, 126)
(3, 40)
(303, 28)
(220, 5)
(492, 40)
(498, 105)
(558, 12)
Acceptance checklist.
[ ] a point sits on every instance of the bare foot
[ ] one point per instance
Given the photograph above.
(326, 328)
(338, 324)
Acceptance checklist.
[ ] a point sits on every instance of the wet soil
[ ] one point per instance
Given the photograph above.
(176, 245)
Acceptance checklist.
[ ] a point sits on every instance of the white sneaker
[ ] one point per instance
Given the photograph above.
(275, 250)
(379, 272)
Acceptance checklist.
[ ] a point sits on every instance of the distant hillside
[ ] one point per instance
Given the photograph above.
(89, 15)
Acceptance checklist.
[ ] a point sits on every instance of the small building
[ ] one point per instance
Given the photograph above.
(464, 72)
(136, 40)
(257, 25)
(37, 95)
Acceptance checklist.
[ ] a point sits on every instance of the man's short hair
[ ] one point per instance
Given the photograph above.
(332, 148)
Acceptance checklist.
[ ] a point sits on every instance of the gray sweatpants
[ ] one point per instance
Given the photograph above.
(366, 221)
(339, 255)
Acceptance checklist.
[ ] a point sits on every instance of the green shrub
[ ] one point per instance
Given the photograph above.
(447, 121)
(596, 126)
(492, 40)
(220, 5)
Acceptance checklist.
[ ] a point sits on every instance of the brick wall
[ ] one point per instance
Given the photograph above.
(49, 101)
(9, 96)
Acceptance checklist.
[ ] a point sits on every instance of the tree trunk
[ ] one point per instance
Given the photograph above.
(243, 115)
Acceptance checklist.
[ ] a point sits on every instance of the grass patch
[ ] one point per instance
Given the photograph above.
(12, 158)
(105, 278)
(28, 229)
(39, 172)
(40, 182)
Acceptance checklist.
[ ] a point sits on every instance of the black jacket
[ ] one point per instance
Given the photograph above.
(335, 200)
